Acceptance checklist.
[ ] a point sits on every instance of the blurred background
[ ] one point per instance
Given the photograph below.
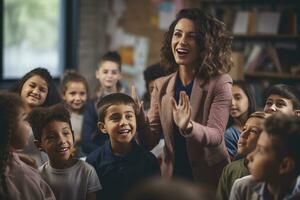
(73, 34)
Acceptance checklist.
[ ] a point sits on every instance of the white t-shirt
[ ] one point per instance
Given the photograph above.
(71, 183)
(76, 121)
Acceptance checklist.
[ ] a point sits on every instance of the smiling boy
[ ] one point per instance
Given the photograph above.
(120, 163)
(68, 178)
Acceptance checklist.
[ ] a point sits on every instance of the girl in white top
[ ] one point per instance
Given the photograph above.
(75, 90)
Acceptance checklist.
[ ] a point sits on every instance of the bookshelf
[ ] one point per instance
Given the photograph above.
(266, 39)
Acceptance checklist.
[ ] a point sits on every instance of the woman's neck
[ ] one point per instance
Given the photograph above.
(186, 74)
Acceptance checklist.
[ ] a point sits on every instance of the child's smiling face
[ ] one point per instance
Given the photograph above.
(119, 123)
(57, 142)
(75, 95)
(35, 91)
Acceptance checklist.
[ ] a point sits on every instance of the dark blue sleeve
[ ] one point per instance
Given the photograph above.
(91, 138)
(231, 137)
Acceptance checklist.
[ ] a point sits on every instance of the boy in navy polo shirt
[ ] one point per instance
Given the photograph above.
(120, 163)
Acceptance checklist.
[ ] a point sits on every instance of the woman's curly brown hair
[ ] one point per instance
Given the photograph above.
(213, 40)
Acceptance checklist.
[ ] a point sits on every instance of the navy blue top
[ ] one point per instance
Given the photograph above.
(182, 166)
(91, 137)
(117, 174)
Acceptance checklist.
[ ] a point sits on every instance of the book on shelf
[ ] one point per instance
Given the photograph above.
(263, 58)
(240, 25)
(267, 22)
(273, 55)
(253, 58)
(288, 23)
(237, 70)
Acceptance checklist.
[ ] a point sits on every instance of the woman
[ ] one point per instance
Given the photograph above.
(191, 106)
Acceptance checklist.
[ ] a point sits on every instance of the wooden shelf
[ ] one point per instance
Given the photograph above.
(250, 2)
(273, 75)
(267, 37)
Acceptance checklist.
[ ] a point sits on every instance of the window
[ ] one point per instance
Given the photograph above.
(34, 35)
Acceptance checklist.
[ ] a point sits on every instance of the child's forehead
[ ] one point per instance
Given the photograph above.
(56, 124)
(75, 84)
(36, 78)
(277, 97)
(120, 107)
(255, 120)
(108, 64)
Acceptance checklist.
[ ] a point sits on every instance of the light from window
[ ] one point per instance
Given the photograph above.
(32, 37)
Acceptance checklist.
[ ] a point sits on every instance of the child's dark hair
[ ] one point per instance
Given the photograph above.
(153, 72)
(111, 56)
(38, 118)
(114, 99)
(53, 96)
(285, 91)
(285, 133)
(250, 93)
(10, 104)
(72, 76)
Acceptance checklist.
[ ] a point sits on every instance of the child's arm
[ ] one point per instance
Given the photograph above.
(91, 196)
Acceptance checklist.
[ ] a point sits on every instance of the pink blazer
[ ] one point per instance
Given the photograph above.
(206, 149)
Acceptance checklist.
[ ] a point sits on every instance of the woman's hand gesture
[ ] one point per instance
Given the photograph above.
(182, 111)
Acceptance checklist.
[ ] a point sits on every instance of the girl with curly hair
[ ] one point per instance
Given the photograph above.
(17, 179)
(191, 106)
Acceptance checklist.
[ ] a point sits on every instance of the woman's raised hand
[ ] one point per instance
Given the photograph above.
(182, 111)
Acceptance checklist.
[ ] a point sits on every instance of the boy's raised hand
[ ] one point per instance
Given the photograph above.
(182, 111)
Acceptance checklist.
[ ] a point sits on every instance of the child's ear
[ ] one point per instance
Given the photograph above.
(101, 127)
(38, 145)
(287, 165)
(120, 76)
(97, 73)
(297, 113)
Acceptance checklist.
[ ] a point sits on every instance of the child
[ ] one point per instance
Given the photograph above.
(151, 73)
(246, 144)
(274, 164)
(37, 89)
(75, 93)
(109, 75)
(17, 180)
(120, 163)
(282, 98)
(243, 104)
(69, 178)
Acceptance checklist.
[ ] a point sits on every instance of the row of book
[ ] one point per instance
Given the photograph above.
(278, 58)
(266, 22)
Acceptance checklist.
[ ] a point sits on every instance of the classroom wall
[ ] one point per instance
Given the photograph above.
(137, 19)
